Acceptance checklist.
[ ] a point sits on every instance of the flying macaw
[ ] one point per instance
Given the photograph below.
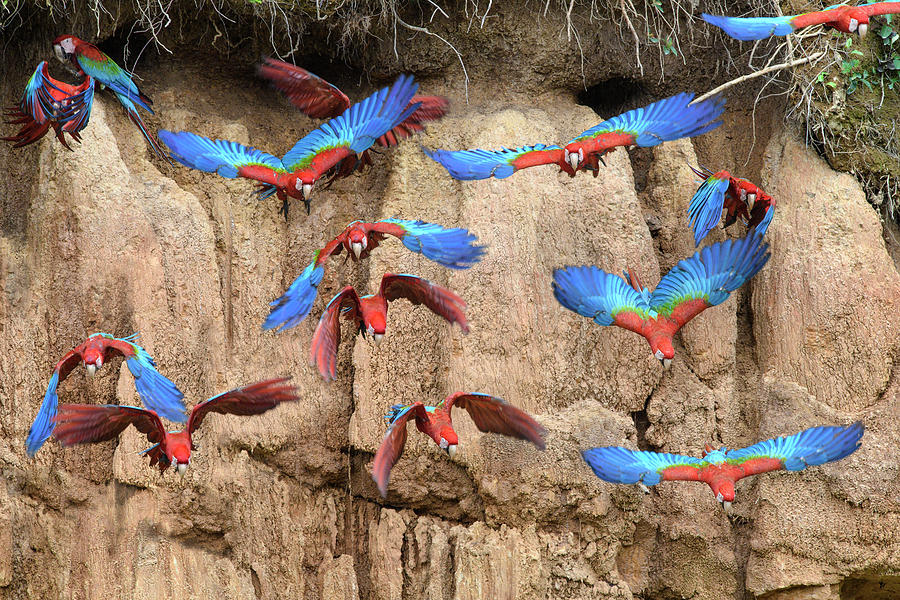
(846, 19)
(490, 413)
(155, 390)
(739, 197)
(370, 314)
(693, 285)
(318, 153)
(48, 102)
(721, 468)
(663, 121)
(317, 98)
(90, 60)
(83, 423)
(453, 248)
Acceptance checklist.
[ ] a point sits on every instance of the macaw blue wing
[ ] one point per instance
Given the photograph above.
(469, 165)
(292, 307)
(216, 156)
(751, 28)
(43, 425)
(711, 274)
(669, 119)
(592, 292)
(621, 465)
(814, 446)
(763, 226)
(117, 79)
(157, 392)
(454, 248)
(705, 209)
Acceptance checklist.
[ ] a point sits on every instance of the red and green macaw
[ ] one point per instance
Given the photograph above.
(453, 248)
(742, 200)
(155, 390)
(318, 153)
(846, 19)
(722, 468)
(705, 279)
(490, 413)
(370, 314)
(318, 99)
(48, 102)
(663, 121)
(83, 423)
(90, 60)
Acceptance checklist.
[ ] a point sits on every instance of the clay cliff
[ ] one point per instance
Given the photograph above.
(108, 238)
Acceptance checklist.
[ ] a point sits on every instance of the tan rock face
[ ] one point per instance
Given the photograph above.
(283, 506)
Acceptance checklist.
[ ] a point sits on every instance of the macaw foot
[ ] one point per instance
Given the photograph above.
(284, 208)
(307, 203)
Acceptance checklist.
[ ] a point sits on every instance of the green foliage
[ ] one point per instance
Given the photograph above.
(857, 71)
(667, 45)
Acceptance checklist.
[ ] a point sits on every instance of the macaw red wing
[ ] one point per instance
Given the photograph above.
(880, 8)
(311, 94)
(621, 465)
(83, 423)
(325, 340)
(468, 165)
(251, 399)
(439, 300)
(494, 415)
(431, 108)
(391, 447)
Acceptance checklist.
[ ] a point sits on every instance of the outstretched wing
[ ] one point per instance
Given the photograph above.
(43, 424)
(880, 8)
(157, 392)
(228, 159)
(356, 129)
(757, 28)
(705, 209)
(669, 119)
(253, 399)
(83, 423)
(601, 296)
(811, 447)
(708, 277)
(492, 414)
(621, 465)
(454, 248)
(327, 336)
(439, 300)
(391, 447)
(431, 108)
(309, 93)
(481, 164)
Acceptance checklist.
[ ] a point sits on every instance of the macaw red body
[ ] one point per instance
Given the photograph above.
(740, 198)
(82, 423)
(722, 468)
(490, 413)
(846, 19)
(370, 314)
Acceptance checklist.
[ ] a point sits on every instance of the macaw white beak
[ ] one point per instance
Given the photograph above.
(751, 200)
(726, 506)
(357, 248)
(863, 28)
(91, 369)
(181, 467)
(667, 362)
(643, 488)
(451, 450)
(378, 337)
(60, 53)
(575, 159)
(307, 190)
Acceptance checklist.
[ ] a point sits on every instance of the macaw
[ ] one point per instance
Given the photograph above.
(490, 413)
(739, 197)
(318, 153)
(453, 248)
(90, 60)
(846, 19)
(317, 98)
(705, 279)
(48, 102)
(155, 390)
(83, 423)
(663, 121)
(721, 468)
(370, 314)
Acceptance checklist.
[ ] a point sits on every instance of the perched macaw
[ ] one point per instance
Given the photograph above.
(90, 60)
(721, 468)
(846, 19)
(453, 248)
(693, 285)
(48, 102)
(739, 197)
(83, 423)
(155, 390)
(318, 153)
(490, 413)
(370, 314)
(317, 98)
(663, 121)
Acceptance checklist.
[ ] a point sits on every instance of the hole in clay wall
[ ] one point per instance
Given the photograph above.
(871, 588)
(614, 96)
